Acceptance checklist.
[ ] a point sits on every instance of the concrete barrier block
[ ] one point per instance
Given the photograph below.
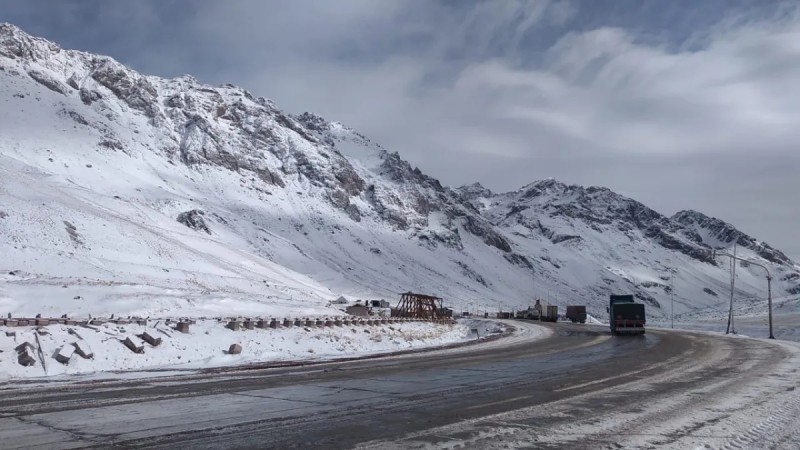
(23, 322)
(65, 353)
(249, 324)
(288, 322)
(25, 359)
(328, 323)
(235, 349)
(299, 322)
(234, 325)
(147, 337)
(42, 322)
(134, 345)
(274, 323)
(338, 322)
(182, 327)
(24, 346)
(310, 323)
(83, 350)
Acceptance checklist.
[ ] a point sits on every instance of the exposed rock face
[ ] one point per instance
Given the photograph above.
(599, 208)
(719, 233)
(134, 90)
(48, 81)
(194, 220)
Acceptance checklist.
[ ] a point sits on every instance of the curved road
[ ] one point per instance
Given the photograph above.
(577, 388)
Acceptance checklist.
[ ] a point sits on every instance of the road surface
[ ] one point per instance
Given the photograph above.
(578, 388)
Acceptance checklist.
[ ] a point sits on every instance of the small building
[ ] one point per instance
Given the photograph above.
(379, 304)
(340, 301)
(446, 312)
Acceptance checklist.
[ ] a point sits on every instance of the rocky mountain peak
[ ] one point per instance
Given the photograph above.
(313, 122)
(474, 191)
(15, 43)
(720, 234)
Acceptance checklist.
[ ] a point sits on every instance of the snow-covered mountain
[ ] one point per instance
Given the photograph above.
(126, 193)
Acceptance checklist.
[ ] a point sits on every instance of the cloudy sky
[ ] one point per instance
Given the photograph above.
(683, 104)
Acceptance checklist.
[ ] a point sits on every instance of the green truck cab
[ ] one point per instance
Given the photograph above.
(625, 315)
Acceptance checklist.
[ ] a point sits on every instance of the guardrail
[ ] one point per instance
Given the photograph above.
(234, 323)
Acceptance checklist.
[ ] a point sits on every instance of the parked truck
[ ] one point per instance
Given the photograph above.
(550, 313)
(625, 315)
(576, 313)
(539, 311)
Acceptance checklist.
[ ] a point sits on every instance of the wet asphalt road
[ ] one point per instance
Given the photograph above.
(341, 405)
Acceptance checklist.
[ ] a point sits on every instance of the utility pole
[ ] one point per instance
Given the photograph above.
(769, 283)
(672, 295)
(731, 327)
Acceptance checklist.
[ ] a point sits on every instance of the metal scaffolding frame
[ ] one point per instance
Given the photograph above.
(419, 306)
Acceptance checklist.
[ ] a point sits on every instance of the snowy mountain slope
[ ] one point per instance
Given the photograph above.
(597, 241)
(98, 162)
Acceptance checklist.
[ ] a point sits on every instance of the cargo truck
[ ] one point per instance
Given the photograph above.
(539, 311)
(550, 313)
(625, 315)
(576, 313)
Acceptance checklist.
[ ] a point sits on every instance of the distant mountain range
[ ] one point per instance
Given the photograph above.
(167, 195)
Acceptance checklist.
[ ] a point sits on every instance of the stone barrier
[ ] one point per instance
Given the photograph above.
(83, 350)
(134, 346)
(64, 354)
(147, 337)
(24, 357)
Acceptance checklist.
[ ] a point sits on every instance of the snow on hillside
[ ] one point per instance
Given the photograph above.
(282, 214)
(598, 241)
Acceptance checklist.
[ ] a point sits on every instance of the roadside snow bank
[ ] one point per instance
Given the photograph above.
(590, 319)
(480, 328)
(206, 345)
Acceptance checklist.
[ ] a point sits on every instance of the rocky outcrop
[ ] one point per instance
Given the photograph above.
(136, 91)
(48, 81)
(721, 233)
(194, 220)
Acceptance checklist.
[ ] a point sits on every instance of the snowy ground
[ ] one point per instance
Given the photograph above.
(750, 319)
(686, 404)
(208, 341)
